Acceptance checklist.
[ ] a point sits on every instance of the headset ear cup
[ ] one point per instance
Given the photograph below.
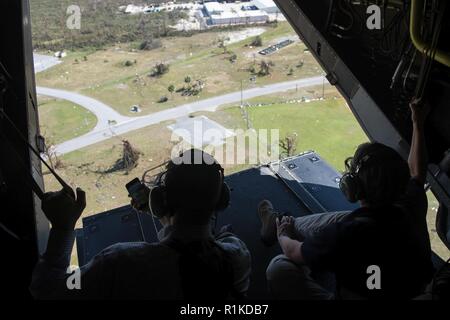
(157, 201)
(349, 187)
(224, 199)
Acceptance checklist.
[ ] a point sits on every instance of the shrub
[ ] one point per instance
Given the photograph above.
(257, 42)
(163, 99)
(264, 68)
(160, 69)
(150, 44)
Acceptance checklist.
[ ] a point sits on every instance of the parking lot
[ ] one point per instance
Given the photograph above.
(276, 47)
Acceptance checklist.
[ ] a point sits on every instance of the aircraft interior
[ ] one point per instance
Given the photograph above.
(377, 71)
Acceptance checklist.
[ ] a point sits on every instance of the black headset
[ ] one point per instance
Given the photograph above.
(350, 183)
(160, 205)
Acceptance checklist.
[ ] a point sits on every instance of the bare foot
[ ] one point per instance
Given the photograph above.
(268, 219)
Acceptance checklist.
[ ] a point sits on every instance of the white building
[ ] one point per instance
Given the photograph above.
(266, 5)
(233, 13)
(132, 9)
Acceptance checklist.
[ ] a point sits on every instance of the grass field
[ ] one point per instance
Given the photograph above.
(86, 167)
(103, 75)
(61, 120)
(327, 126)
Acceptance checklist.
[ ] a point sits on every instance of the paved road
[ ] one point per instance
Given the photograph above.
(103, 112)
(43, 62)
(104, 131)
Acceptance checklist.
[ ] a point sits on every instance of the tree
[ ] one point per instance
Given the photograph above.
(51, 155)
(233, 58)
(130, 156)
(264, 68)
(171, 89)
(150, 44)
(160, 69)
(163, 99)
(222, 41)
(289, 145)
(257, 42)
(127, 161)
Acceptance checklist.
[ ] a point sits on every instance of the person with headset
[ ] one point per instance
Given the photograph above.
(379, 251)
(188, 262)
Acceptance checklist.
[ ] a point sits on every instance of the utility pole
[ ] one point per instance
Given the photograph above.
(323, 87)
(246, 116)
(242, 93)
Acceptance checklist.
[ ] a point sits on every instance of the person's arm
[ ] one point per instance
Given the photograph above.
(418, 158)
(240, 258)
(62, 209)
(286, 237)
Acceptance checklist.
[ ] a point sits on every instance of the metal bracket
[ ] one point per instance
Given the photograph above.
(332, 78)
(40, 143)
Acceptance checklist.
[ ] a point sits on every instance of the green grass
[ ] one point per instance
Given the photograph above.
(62, 120)
(327, 127)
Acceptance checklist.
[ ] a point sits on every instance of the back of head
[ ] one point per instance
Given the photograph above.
(382, 173)
(193, 183)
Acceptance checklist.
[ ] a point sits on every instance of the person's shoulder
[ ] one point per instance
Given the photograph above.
(415, 198)
(234, 247)
(125, 250)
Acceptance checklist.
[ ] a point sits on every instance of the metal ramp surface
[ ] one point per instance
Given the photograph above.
(301, 185)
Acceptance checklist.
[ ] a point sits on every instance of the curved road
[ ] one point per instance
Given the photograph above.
(122, 124)
(103, 112)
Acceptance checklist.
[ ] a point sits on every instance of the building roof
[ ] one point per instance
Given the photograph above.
(218, 10)
(214, 7)
(263, 4)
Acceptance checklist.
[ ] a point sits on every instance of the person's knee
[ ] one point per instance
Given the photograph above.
(287, 280)
(280, 267)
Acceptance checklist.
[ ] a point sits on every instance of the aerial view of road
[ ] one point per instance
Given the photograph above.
(110, 122)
